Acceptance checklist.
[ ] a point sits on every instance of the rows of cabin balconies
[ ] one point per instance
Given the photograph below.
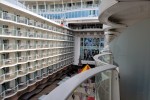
(11, 58)
(30, 67)
(31, 22)
(21, 46)
(65, 8)
(34, 34)
(22, 82)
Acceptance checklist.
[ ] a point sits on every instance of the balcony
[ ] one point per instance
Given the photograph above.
(32, 81)
(21, 33)
(10, 75)
(22, 59)
(31, 46)
(30, 34)
(22, 71)
(39, 66)
(38, 77)
(22, 20)
(9, 61)
(44, 64)
(9, 46)
(8, 16)
(21, 46)
(38, 24)
(31, 68)
(10, 91)
(31, 22)
(31, 57)
(45, 74)
(7, 31)
(2, 78)
(22, 85)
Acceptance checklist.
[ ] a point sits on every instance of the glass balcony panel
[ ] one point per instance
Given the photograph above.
(10, 75)
(22, 59)
(32, 81)
(31, 57)
(21, 33)
(22, 71)
(31, 68)
(2, 78)
(9, 61)
(22, 20)
(10, 91)
(22, 85)
(31, 22)
(9, 16)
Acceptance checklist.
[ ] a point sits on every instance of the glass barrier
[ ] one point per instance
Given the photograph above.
(93, 84)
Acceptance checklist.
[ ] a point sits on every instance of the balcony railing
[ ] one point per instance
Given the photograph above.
(22, 71)
(22, 85)
(9, 46)
(31, 68)
(10, 75)
(23, 33)
(9, 61)
(20, 19)
(105, 75)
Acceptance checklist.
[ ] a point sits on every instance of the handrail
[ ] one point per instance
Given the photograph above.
(63, 91)
(96, 58)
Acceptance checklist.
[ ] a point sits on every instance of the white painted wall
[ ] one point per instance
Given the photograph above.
(131, 51)
(76, 50)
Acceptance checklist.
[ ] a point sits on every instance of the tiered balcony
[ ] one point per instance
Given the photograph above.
(9, 61)
(22, 71)
(9, 46)
(22, 20)
(44, 64)
(32, 81)
(31, 22)
(9, 92)
(2, 78)
(22, 46)
(7, 31)
(10, 75)
(22, 59)
(8, 16)
(31, 68)
(39, 66)
(31, 46)
(38, 24)
(31, 57)
(22, 33)
(39, 77)
(22, 85)
(45, 74)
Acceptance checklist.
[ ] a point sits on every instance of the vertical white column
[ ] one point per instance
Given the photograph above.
(81, 4)
(37, 7)
(48, 7)
(54, 6)
(62, 5)
(93, 3)
(71, 4)
(44, 6)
